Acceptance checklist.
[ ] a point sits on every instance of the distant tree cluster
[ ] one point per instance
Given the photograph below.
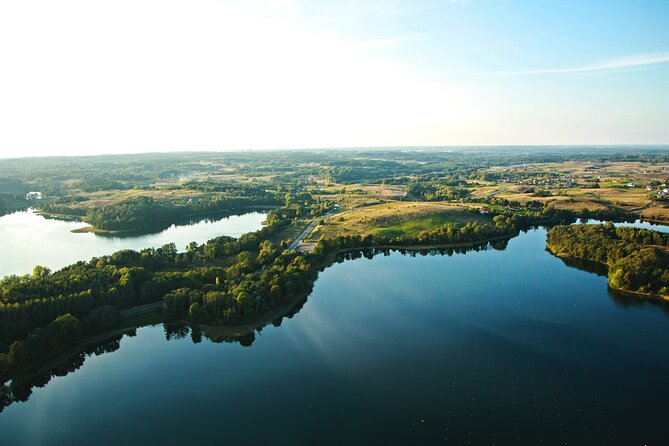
(12, 202)
(96, 184)
(437, 190)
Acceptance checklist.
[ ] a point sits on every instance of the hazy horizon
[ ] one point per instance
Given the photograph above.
(87, 77)
(435, 148)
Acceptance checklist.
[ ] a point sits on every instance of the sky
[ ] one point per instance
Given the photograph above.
(90, 77)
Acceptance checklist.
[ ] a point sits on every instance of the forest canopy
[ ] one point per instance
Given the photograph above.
(637, 259)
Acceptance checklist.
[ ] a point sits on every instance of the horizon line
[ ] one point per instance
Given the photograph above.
(664, 146)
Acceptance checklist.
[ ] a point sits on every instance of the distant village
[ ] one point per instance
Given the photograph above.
(521, 176)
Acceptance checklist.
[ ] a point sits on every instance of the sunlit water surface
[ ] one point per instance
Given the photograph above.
(27, 239)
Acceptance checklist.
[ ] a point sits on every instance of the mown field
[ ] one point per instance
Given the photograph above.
(397, 219)
(658, 211)
(106, 198)
(355, 195)
(592, 199)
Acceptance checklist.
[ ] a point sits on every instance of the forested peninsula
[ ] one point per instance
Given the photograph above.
(636, 260)
(141, 213)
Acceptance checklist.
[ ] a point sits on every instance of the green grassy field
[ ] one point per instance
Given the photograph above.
(417, 225)
(396, 219)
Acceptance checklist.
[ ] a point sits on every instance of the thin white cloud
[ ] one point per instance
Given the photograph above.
(603, 66)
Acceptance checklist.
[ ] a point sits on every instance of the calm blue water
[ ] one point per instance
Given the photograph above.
(28, 239)
(636, 224)
(492, 347)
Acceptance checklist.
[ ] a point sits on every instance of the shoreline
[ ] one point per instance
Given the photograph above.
(659, 297)
(221, 332)
(562, 255)
(431, 246)
(229, 213)
(213, 332)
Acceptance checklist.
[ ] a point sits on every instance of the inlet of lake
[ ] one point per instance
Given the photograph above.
(28, 239)
(504, 345)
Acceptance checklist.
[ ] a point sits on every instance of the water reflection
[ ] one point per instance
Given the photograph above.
(370, 253)
(629, 301)
(584, 265)
(20, 388)
(203, 219)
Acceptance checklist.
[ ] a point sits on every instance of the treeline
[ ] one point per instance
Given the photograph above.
(142, 212)
(63, 209)
(12, 202)
(437, 191)
(230, 188)
(13, 186)
(535, 213)
(97, 184)
(368, 169)
(505, 223)
(637, 259)
(471, 233)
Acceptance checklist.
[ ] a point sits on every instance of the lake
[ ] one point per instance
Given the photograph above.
(496, 346)
(28, 239)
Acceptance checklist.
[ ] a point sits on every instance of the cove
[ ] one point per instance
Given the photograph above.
(28, 239)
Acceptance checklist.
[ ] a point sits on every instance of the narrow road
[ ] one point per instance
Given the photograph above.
(306, 232)
(147, 308)
(645, 206)
(493, 193)
(134, 311)
(300, 239)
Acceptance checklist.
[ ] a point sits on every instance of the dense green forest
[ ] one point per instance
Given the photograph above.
(637, 259)
(143, 212)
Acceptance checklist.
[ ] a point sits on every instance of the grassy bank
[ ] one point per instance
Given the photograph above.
(397, 219)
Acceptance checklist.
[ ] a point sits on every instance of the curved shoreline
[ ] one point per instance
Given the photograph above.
(563, 255)
(660, 297)
(214, 332)
(95, 230)
(431, 246)
(221, 332)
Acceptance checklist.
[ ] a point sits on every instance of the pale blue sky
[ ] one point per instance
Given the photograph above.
(144, 75)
